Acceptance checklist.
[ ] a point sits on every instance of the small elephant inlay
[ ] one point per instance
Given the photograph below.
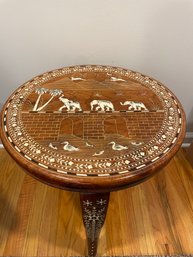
(69, 104)
(103, 105)
(136, 106)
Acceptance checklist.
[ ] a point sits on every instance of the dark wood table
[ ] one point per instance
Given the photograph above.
(92, 129)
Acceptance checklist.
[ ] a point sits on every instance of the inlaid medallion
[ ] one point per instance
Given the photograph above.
(92, 121)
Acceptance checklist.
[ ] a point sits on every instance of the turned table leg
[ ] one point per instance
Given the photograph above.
(94, 208)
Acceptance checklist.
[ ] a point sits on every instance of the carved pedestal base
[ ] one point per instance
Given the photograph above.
(94, 208)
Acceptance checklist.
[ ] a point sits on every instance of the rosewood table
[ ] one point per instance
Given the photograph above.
(92, 129)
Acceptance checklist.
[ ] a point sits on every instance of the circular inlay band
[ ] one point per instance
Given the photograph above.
(92, 121)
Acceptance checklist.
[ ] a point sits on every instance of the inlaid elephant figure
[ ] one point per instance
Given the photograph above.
(103, 105)
(69, 104)
(136, 106)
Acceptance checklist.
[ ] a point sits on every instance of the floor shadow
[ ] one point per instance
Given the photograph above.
(75, 231)
(69, 229)
(9, 219)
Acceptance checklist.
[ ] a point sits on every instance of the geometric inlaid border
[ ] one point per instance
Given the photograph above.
(57, 162)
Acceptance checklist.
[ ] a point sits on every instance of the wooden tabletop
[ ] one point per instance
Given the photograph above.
(92, 128)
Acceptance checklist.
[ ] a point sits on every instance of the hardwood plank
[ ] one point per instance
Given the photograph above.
(11, 180)
(15, 240)
(152, 218)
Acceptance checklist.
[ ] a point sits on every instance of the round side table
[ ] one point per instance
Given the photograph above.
(92, 129)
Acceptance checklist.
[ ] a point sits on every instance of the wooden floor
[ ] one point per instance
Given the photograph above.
(155, 217)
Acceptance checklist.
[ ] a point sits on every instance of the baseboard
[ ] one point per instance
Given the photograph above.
(185, 145)
(189, 135)
(188, 139)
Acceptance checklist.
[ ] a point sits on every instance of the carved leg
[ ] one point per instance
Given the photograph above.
(94, 208)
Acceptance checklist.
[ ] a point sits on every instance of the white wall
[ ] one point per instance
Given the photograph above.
(154, 37)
